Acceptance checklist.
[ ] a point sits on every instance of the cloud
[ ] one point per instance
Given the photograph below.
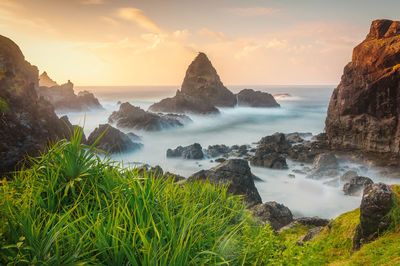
(217, 35)
(253, 11)
(139, 17)
(92, 2)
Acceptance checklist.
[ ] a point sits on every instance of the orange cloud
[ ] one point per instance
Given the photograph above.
(139, 17)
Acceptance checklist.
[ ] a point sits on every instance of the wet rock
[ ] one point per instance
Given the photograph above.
(376, 203)
(270, 152)
(193, 151)
(356, 185)
(236, 173)
(297, 137)
(325, 165)
(113, 140)
(277, 215)
(220, 160)
(348, 176)
(129, 116)
(252, 98)
(217, 150)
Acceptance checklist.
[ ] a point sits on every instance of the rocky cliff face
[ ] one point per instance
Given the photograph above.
(27, 123)
(45, 80)
(364, 111)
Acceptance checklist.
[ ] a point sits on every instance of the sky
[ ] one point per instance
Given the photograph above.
(152, 42)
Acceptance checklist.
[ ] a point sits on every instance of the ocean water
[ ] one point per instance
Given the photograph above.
(304, 111)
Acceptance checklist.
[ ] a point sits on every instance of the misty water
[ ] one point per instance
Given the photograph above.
(304, 111)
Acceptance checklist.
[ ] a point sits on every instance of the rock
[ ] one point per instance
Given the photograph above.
(356, 185)
(312, 233)
(364, 111)
(325, 165)
(184, 103)
(277, 215)
(270, 151)
(236, 173)
(217, 150)
(69, 129)
(45, 80)
(348, 175)
(376, 203)
(194, 151)
(27, 123)
(134, 137)
(295, 137)
(158, 172)
(113, 140)
(63, 98)
(313, 221)
(251, 98)
(307, 151)
(129, 116)
(220, 160)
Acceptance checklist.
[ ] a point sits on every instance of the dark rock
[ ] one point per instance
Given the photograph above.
(291, 176)
(325, 165)
(307, 151)
(376, 203)
(193, 151)
(27, 123)
(236, 173)
(356, 185)
(113, 140)
(69, 129)
(217, 150)
(313, 221)
(364, 111)
(277, 215)
(312, 233)
(270, 151)
(220, 160)
(184, 103)
(63, 97)
(134, 137)
(294, 137)
(348, 176)
(130, 116)
(251, 98)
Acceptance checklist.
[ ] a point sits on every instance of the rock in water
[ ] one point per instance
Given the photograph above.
(130, 116)
(113, 140)
(277, 215)
(325, 165)
(269, 152)
(236, 173)
(27, 122)
(364, 111)
(376, 203)
(356, 185)
(194, 151)
(252, 98)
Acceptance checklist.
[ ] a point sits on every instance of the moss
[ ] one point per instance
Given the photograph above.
(294, 233)
(3, 106)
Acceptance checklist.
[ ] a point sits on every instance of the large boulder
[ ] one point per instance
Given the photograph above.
(364, 111)
(217, 150)
(194, 151)
(113, 140)
(277, 215)
(270, 152)
(356, 185)
(63, 97)
(129, 116)
(27, 123)
(376, 203)
(236, 173)
(184, 103)
(252, 98)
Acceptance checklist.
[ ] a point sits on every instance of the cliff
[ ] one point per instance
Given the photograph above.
(364, 110)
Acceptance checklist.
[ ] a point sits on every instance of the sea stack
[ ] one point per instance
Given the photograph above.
(364, 111)
(45, 80)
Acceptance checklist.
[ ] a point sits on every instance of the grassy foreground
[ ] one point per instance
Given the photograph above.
(72, 207)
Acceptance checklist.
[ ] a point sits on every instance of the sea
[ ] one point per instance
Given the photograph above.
(303, 111)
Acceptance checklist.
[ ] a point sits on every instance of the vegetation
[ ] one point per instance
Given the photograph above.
(72, 207)
(3, 106)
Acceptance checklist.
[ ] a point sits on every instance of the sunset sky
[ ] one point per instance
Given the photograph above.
(151, 42)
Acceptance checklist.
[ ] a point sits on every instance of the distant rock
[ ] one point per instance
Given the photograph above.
(113, 140)
(364, 110)
(27, 123)
(129, 116)
(184, 103)
(277, 215)
(270, 152)
(236, 173)
(193, 151)
(63, 98)
(252, 98)
(356, 185)
(45, 80)
(325, 165)
(217, 150)
(376, 203)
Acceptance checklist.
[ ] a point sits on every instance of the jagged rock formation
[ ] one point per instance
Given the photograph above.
(194, 152)
(69, 129)
(270, 152)
(63, 97)
(376, 203)
(129, 116)
(277, 215)
(236, 173)
(364, 111)
(356, 185)
(27, 122)
(252, 98)
(113, 140)
(45, 80)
